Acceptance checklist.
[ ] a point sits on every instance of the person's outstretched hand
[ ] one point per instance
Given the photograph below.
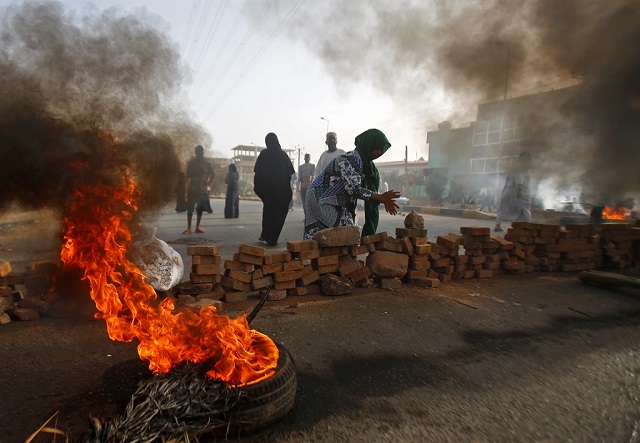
(388, 199)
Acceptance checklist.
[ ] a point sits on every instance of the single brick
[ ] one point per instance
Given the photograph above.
(348, 264)
(202, 250)
(238, 266)
(236, 296)
(326, 260)
(484, 273)
(258, 251)
(277, 294)
(294, 265)
(271, 269)
(241, 276)
(205, 269)
(390, 283)
(297, 291)
(206, 259)
(301, 245)
(277, 257)
(307, 279)
(286, 276)
(205, 278)
(307, 255)
(327, 269)
(262, 282)
(249, 258)
(235, 284)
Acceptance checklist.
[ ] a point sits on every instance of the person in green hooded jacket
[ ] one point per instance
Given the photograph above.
(333, 195)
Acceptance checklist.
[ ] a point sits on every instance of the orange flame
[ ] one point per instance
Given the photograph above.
(619, 213)
(96, 240)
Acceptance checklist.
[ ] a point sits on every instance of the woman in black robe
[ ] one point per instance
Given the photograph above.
(272, 183)
(231, 201)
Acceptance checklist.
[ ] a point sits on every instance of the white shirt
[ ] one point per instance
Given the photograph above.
(326, 158)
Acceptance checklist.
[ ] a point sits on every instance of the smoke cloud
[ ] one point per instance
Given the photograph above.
(409, 49)
(66, 81)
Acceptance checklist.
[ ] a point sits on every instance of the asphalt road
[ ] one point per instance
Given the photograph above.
(535, 357)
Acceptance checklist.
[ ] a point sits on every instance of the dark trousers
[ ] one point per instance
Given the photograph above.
(274, 214)
(231, 206)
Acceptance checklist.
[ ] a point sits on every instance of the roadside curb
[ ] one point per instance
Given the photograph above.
(449, 212)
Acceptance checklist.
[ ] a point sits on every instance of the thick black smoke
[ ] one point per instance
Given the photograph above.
(66, 81)
(407, 49)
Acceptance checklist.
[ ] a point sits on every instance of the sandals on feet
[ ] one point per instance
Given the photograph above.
(199, 231)
(187, 231)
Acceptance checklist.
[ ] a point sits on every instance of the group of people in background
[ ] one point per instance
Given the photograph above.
(329, 190)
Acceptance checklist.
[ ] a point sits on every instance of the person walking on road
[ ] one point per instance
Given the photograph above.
(231, 201)
(306, 172)
(199, 176)
(333, 194)
(515, 200)
(272, 183)
(332, 152)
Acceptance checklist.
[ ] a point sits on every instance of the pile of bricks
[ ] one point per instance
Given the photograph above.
(255, 269)
(620, 243)
(526, 247)
(27, 295)
(294, 271)
(298, 270)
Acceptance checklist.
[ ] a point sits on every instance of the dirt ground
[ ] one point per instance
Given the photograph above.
(532, 357)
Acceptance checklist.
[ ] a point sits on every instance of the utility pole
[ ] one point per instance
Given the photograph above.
(406, 167)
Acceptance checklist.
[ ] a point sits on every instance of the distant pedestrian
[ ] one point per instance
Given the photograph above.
(515, 201)
(181, 193)
(272, 183)
(231, 201)
(294, 180)
(199, 176)
(332, 152)
(485, 199)
(306, 173)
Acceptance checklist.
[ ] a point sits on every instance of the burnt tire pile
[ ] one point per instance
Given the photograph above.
(186, 402)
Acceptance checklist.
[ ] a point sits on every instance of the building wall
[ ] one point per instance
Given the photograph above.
(482, 154)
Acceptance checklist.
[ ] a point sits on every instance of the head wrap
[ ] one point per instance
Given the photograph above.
(271, 140)
(366, 143)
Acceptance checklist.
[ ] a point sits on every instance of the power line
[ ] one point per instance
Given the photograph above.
(256, 57)
(212, 30)
(201, 22)
(237, 49)
(187, 32)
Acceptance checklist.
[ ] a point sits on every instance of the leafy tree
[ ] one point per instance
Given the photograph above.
(436, 183)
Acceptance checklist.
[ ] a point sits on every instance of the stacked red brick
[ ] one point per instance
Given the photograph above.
(422, 256)
(205, 270)
(620, 242)
(27, 295)
(289, 272)
(343, 260)
(544, 247)
(484, 255)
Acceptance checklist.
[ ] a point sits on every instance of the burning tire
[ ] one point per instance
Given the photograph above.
(265, 402)
(188, 402)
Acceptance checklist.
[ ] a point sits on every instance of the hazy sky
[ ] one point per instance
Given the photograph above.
(246, 76)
